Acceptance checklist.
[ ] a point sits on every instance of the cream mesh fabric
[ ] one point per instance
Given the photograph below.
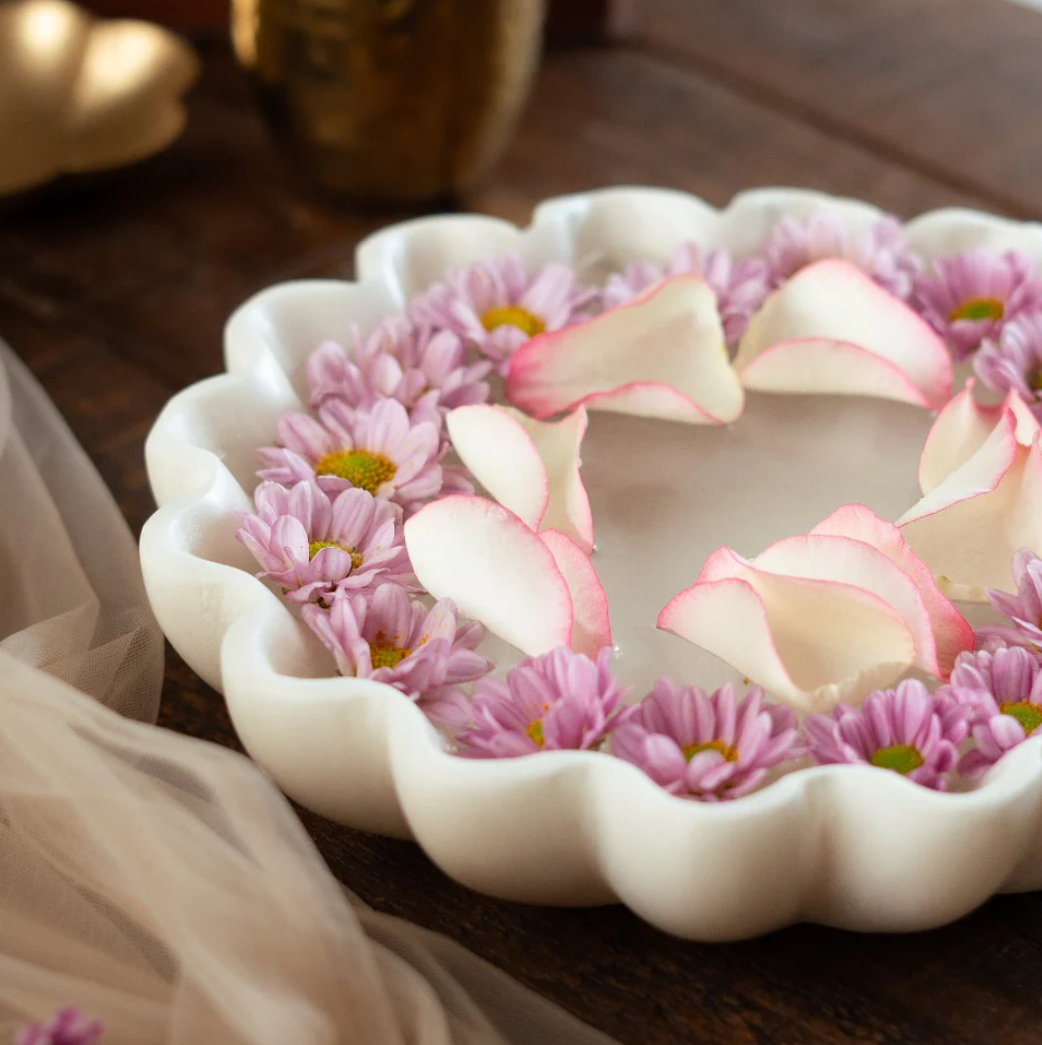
(72, 600)
(161, 883)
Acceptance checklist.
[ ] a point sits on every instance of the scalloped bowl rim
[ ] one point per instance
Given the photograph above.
(250, 610)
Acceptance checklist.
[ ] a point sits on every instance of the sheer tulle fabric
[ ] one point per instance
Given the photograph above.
(73, 602)
(162, 884)
(159, 883)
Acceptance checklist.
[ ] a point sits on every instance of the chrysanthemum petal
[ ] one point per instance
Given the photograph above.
(950, 632)
(831, 329)
(967, 528)
(591, 627)
(495, 568)
(662, 355)
(809, 641)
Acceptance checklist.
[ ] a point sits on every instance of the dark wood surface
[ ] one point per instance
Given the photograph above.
(114, 290)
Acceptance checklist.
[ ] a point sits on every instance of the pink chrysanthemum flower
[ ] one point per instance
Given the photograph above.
(711, 747)
(1024, 610)
(1002, 692)
(380, 451)
(880, 250)
(973, 295)
(312, 544)
(393, 639)
(424, 371)
(908, 730)
(68, 1026)
(496, 306)
(740, 286)
(1014, 360)
(560, 700)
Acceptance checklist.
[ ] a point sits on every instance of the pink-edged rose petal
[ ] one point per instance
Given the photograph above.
(499, 453)
(823, 617)
(494, 568)
(661, 355)
(967, 528)
(811, 644)
(529, 466)
(591, 627)
(833, 330)
(950, 632)
(962, 428)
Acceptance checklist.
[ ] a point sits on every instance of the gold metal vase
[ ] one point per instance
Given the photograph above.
(391, 100)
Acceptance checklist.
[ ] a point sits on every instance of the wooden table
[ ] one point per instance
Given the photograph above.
(115, 292)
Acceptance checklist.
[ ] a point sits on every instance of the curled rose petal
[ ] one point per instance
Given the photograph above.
(968, 527)
(832, 330)
(591, 626)
(529, 466)
(824, 617)
(962, 428)
(661, 355)
(950, 633)
(535, 591)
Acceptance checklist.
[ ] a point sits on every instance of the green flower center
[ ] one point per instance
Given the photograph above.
(730, 754)
(316, 546)
(1035, 380)
(1027, 714)
(979, 308)
(386, 654)
(360, 468)
(901, 758)
(513, 316)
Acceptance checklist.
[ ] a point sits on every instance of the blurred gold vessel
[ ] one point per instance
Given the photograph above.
(391, 100)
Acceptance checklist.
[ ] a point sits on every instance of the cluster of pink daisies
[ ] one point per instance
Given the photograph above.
(372, 449)
(719, 746)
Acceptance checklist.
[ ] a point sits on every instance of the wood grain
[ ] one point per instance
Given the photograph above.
(949, 88)
(115, 291)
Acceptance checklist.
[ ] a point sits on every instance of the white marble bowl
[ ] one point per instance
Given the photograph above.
(847, 846)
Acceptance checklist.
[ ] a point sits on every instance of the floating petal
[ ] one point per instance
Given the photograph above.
(591, 627)
(832, 330)
(661, 355)
(810, 642)
(500, 454)
(968, 528)
(950, 632)
(962, 428)
(529, 466)
(494, 568)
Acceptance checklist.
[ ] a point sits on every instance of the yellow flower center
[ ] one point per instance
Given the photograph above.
(730, 754)
(316, 546)
(901, 758)
(513, 316)
(534, 731)
(978, 308)
(1035, 380)
(360, 468)
(1027, 714)
(386, 654)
